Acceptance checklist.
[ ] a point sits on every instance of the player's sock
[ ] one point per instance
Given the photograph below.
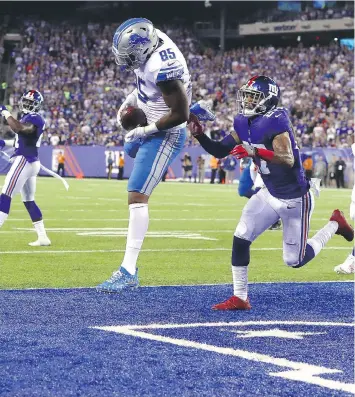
(240, 261)
(33, 210)
(5, 203)
(318, 241)
(353, 251)
(240, 281)
(137, 229)
(41, 231)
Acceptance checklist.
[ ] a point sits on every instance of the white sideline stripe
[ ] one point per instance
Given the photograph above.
(115, 229)
(300, 371)
(150, 250)
(152, 220)
(235, 323)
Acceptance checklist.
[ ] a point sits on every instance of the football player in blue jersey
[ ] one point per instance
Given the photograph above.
(164, 94)
(25, 164)
(264, 133)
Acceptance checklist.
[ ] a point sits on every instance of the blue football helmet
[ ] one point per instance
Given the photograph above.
(133, 43)
(31, 101)
(257, 96)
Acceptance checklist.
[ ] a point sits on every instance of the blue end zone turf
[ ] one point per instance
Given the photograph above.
(49, 348)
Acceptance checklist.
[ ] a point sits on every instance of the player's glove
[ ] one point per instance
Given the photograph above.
(195, 125)
(2, 108)
(141, 132)
(202, 111)
(244, 150)
(131, 100)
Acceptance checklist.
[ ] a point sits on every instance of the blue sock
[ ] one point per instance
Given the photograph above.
(33, 210)
(240, 252)
(5, 203)
(354, 251)
(308, 256)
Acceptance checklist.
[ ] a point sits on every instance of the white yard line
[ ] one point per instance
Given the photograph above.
(48, 251)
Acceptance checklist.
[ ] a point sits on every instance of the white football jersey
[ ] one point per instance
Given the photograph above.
(166, 63)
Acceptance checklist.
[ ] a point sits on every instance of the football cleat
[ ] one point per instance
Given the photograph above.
(119, 281)
(202, 111)
(347, 267)
(233, 303)
(344, 229)
(41, 242)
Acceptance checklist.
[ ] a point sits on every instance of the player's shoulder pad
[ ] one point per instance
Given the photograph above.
(277, 120)
(239, 119)
(34, 118)
(170, 69)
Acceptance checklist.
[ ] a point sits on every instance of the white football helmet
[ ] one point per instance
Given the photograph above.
(133, 42)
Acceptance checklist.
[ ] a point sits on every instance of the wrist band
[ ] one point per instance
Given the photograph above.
(6, 114)
(265, 154)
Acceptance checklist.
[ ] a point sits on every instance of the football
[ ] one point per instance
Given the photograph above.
(132, 117)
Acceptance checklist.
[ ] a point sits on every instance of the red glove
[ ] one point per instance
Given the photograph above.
(195, 125)
(242, 151)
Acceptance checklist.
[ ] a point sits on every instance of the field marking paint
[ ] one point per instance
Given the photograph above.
(46, 251)
(299, 371)
(152, 220)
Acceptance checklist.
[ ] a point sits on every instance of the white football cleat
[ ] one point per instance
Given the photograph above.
(43, 242)
(347, 267)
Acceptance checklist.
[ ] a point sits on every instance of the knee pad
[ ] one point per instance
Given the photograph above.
(244, 231)
(240, 252)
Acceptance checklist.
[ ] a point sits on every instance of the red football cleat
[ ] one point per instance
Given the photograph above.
(344, 228)
(233, 303)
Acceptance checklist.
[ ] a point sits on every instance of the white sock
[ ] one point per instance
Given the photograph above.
(41, 231)
(137, 229)
(320, 239)
(3, 217)
(240, 281)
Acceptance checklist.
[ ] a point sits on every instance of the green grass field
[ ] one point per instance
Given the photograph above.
(189, 241)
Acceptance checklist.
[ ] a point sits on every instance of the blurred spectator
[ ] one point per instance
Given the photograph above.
(187, 167)
(230, 164)
(321, 170)
(109, 165)
(214, 168)
(339, 172)
(120, 167)
(61, 162)
(221, 171)
(200, 169)
(308, 167)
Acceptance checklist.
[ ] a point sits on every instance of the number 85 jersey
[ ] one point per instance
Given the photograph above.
(282, 182)
(165, 64)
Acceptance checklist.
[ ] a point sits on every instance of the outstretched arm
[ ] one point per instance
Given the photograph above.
(218, 149)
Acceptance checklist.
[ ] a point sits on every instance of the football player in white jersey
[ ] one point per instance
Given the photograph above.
(164, 94)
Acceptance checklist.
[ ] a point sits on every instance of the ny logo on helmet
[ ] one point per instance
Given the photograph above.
(273, 89)
(136, 39)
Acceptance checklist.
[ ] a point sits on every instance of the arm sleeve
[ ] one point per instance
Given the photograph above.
(217, 149)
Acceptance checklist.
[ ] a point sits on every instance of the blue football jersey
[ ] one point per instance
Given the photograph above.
(27, 145)
(281, 181)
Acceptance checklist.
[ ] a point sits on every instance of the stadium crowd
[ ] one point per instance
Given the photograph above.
(73, 67)
(308, 13)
